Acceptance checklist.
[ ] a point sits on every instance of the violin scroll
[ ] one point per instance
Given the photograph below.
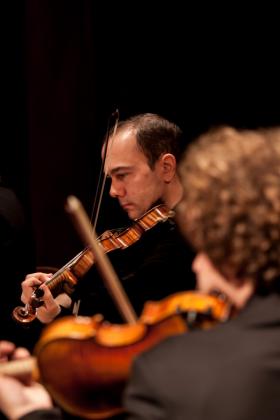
(24, 314)
(27, 313)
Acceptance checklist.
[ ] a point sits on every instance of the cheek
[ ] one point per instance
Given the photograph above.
(141, 184)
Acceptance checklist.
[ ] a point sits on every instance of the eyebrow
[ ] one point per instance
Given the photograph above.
(118, 169)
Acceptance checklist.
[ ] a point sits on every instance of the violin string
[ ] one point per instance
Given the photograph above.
(62, 269)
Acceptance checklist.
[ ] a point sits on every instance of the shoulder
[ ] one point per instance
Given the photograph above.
(196, 345)
(165, 374)
(167, 236)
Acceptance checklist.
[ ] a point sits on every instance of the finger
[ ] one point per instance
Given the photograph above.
(20, 353)
(40, 276)
(48, 299)
(31, 282)
(6, 349)
(50, 309)
(27, 287)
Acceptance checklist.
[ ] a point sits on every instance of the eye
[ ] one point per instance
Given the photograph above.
(121, 176)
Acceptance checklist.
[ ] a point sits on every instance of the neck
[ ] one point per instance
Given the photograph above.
(173, 193)
(239, 294)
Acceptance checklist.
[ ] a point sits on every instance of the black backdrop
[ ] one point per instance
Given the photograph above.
(68, 64)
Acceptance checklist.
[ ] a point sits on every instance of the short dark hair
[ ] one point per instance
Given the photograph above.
(155, 135)
(231, 204)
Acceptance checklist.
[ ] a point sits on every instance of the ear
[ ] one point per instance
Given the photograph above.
(168, 166)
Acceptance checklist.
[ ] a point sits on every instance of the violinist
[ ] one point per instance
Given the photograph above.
(141, 164)
(230, 212)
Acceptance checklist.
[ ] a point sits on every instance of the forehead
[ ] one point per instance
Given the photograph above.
(123, 151)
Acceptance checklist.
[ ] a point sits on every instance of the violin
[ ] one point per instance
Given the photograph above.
(66, 278)
(85, 362)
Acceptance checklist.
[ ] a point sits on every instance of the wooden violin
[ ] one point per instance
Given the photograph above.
(65, 279)
(85, 362)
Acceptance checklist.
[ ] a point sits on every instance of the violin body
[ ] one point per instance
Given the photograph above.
(85, 362)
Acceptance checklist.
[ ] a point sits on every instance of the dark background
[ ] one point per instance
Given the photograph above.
(68, 64)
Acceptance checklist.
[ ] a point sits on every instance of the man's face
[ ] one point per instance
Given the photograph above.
(133, 182)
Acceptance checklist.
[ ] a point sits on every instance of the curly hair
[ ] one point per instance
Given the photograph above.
(231, 204)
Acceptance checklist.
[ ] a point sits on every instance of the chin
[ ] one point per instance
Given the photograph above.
(133, 215)
(134, 212)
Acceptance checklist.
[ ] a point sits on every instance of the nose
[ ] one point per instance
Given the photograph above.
(116, 190)
(113, 191)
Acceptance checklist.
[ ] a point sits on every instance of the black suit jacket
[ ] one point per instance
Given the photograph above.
(231, 372)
